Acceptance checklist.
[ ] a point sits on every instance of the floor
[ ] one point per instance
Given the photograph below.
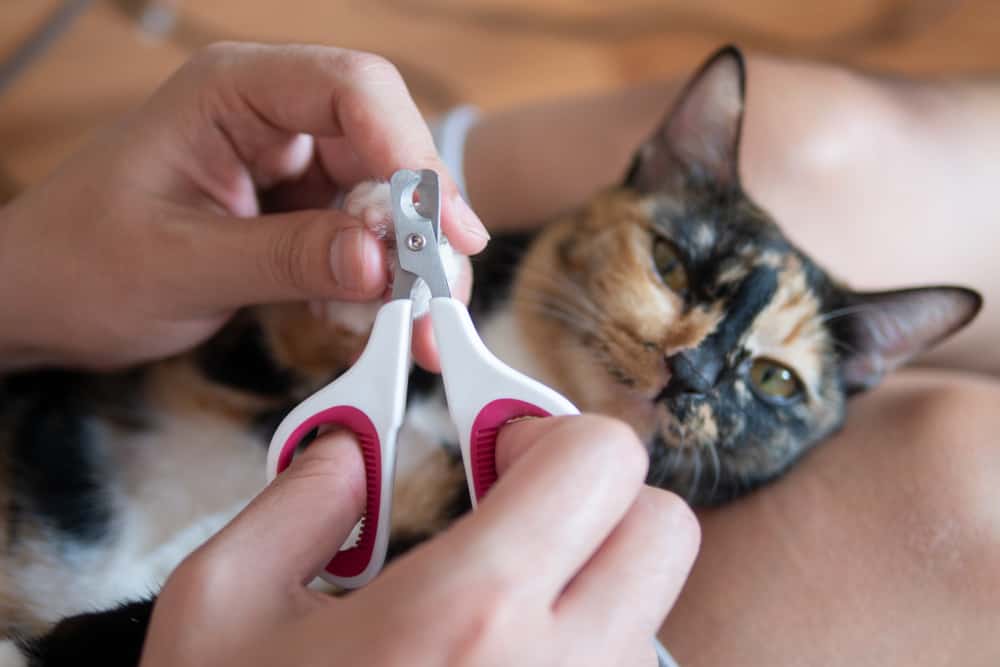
(493, 53)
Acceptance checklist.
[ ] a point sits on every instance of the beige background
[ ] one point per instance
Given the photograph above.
(492, 53)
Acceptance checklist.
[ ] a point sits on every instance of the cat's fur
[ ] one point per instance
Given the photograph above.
(109, 481)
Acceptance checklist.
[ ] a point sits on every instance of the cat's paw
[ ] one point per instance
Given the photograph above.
(370, 202)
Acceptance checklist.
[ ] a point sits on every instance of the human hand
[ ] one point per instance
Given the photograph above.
(569, 560)
(144, 243)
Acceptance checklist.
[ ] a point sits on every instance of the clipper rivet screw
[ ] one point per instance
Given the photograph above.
(416, 242)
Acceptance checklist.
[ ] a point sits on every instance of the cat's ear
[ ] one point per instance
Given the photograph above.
(880, 331)
(701, 134)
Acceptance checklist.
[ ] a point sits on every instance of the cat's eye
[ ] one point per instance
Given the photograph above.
(669, 266)
(774, 382)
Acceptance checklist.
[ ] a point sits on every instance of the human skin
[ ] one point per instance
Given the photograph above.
(816, 147)
(145, 242)
(883, 546)
(570, 560)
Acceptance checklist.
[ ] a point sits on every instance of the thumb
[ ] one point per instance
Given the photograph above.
(316, 254)
(292, 529)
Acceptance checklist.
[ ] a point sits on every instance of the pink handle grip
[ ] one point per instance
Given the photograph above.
(483, 439)
(350, 562)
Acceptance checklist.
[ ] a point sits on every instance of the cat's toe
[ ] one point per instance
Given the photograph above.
(369, 202)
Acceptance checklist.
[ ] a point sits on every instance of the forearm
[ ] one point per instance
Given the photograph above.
(527, 164)
(881, 548)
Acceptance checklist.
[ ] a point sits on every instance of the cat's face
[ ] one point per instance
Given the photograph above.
(676, 303)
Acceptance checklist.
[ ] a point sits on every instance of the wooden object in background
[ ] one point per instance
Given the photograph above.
(493, 53)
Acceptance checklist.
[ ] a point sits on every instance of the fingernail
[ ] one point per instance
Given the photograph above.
(356, 260)
(469, 220)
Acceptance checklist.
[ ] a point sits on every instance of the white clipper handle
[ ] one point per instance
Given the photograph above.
(368, 399)
(483, 393)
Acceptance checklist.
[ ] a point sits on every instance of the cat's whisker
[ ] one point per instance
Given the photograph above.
(837, 313)
(560, 284)
(673, 456)
(571, 319)
(565, 311)
(716, 467)
(696, 472)
(853, 351)
(846, 347)
(577, 302)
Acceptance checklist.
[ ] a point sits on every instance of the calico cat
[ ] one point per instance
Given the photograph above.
(673, 302)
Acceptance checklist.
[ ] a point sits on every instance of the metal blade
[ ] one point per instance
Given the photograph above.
(418, 232)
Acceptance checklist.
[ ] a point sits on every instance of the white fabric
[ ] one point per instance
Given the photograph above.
(450, 132)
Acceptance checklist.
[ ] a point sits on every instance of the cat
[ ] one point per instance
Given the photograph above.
(672, 301)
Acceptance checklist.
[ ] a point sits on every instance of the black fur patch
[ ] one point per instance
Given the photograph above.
(421, 384)
(59, 471)
(238, 357)
(111, 639)
(753, 295)
(495, 269)
(266, 423)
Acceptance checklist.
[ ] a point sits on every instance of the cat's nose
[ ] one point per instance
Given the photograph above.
(693, 372)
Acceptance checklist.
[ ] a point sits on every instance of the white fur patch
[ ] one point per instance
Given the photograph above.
(179, 484)
(10, 656)
(502, 336)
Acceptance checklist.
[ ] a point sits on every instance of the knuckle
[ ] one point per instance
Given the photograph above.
(200, 584)
(608, 447)
(286, 261)
(358, 65)
(215, 55)
(619, 444)
(677, 521)
(485, 626)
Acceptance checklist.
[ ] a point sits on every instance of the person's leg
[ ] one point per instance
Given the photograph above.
(881, 548)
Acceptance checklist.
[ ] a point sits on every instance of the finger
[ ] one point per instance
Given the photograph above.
(283, 161)
(327, 92)
(636, 575)
(341, 162)
(292, 529)
(517, 438)
(425, 350)
(283, 257)
(555, 504)
(312, 189)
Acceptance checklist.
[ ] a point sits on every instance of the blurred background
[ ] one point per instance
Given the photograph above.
(71, 66)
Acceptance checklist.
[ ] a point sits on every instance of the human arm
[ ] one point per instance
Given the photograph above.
(882, 547)
(886, 182)
(569, 560)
